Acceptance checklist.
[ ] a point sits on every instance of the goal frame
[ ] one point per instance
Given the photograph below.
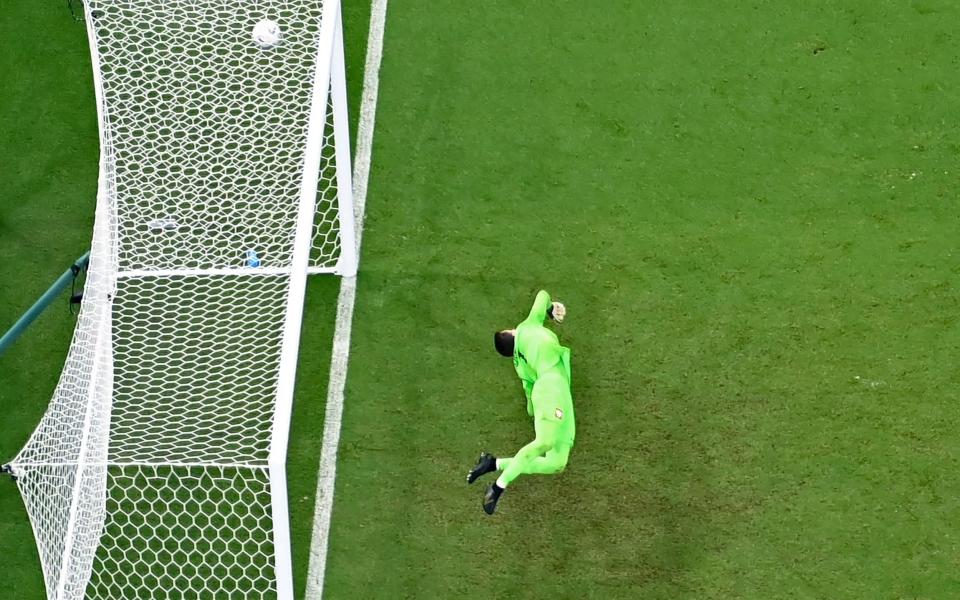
(329, 78)
(328, 107)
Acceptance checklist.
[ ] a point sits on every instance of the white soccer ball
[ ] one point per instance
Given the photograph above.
(267, 34)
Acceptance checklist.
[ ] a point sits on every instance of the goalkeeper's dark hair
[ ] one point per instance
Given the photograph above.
(503, 340)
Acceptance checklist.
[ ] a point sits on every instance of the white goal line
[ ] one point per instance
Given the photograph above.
(327, 470)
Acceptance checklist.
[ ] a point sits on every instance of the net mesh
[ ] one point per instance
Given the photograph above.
(149, 475)
(209, 129)
(202, 530)
(326, 232)
(196, 362)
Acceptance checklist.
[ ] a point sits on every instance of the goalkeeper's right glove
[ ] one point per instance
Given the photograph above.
(557, 312)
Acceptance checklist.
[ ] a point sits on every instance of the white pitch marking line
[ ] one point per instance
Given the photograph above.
(345, 304)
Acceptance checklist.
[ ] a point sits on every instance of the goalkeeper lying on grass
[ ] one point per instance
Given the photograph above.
(544, 368)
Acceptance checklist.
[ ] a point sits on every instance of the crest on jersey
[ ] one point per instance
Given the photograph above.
(558, 413)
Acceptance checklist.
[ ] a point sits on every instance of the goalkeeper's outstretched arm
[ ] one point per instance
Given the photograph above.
(543, 308)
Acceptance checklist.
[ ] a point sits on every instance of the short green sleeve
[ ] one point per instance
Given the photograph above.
(540, 307)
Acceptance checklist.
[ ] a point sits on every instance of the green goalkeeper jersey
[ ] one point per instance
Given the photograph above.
(537, 352)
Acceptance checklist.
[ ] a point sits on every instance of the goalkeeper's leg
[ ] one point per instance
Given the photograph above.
(530, 458)
(546, 454)
(555, 461)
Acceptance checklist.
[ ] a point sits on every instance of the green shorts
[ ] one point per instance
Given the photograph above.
(553, 410)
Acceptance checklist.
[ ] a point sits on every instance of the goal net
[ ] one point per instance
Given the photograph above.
(158, 470)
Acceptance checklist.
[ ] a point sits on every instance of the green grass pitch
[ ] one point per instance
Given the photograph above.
(750, 210)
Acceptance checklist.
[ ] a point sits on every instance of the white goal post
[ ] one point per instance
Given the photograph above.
(158, 470)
